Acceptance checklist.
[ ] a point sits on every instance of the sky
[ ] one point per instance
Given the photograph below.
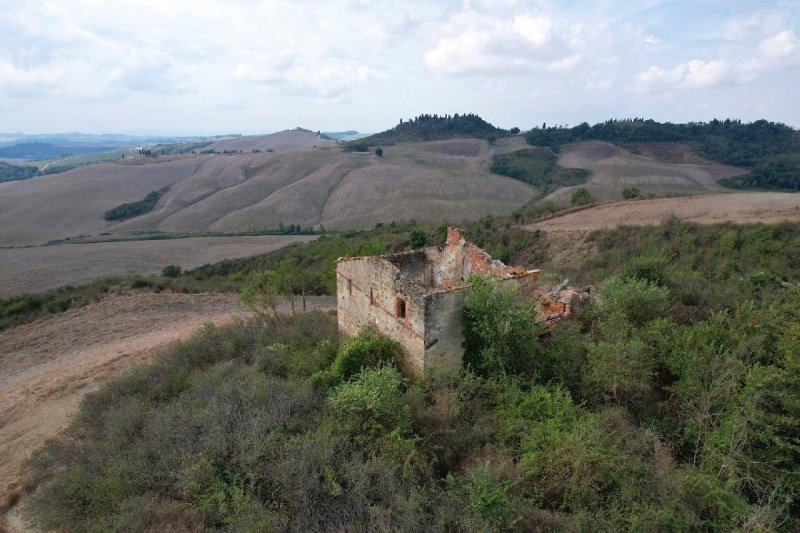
(249, 66)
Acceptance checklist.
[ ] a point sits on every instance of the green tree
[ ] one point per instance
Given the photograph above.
(372, 406)
(582, 196)
(499, 334)
(171, 271)
(418, 238)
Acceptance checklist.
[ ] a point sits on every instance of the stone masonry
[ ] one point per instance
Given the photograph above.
(417, 297)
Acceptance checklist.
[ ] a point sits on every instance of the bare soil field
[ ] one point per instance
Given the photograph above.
(422, 181)
(741, 208)
(47, 367)
(663, 170)
(281, 141)
(40, 268)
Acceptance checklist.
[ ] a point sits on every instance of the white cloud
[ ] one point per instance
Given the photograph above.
(772, 53)
(474, 43)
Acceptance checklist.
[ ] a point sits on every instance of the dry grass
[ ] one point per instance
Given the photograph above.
(47, 367)
(281, 141)
(741, 208)
(36, 269)
(422, 181)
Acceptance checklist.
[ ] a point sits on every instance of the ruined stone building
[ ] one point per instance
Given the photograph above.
(417, 297)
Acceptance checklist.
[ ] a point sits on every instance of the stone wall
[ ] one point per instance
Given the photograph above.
(369, 290)
(417, 298)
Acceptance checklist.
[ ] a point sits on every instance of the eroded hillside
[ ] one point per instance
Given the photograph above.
(425, 181)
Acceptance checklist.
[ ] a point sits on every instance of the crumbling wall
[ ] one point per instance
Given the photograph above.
(458, 260)
(369, 290)
(444, 334)
(414, 266)
(417, 298)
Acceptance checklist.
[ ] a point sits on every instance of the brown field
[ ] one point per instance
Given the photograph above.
(39, 268)
(281, 141)
(659, 170)
(741, 208)
(47, 367)
(422, 181)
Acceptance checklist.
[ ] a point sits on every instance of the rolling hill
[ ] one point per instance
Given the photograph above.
(424, 181)
(737, 207)
(613, 168)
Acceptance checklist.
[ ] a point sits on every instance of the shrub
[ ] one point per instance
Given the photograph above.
(418, 238)
(379, 152)
(498, 327)
(372, 406)
(491, 500)
(652, 268)
(582, 196)
(171, 271)
(367, 349)
(639, 300)
(630, 193)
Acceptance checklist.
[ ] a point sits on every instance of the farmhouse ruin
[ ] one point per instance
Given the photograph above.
(417, 297)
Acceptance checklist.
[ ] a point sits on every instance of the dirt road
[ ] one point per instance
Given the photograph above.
(47, 367)
(741, 208)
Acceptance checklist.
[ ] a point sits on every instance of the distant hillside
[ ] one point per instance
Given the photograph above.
(341, 135)
(771, 149)
(434, 127)
(40, 150)
(308, 187)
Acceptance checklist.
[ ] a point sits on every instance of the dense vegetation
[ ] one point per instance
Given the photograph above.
(134, 209)
(771, 148)
(43, 150)
(16, 172)
(780, 172)
(538, 167)
(23, 172)
(668, 404)
(433, 127)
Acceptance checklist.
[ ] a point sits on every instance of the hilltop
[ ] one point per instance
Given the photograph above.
(432, 127)
(771, 150)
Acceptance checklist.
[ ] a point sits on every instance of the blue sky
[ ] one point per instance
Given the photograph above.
(208, 66)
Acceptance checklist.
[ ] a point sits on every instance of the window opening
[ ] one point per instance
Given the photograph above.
(401, 308)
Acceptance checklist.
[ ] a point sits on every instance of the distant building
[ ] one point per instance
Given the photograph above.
(417, 297)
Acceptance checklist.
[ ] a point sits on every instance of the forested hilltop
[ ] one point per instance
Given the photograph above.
(670, 403)
(771, 149)
(432, 127)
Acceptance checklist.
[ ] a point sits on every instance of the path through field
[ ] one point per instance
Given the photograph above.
(741, 208)
(47, 367)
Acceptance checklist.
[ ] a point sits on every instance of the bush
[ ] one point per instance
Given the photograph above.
(631, 193)
(582, 196)
(498, 328)
(171, 271)
(639, 300)
(418, 238)
(367, 349)
(651, 268)
(379, 152)
(372, 406)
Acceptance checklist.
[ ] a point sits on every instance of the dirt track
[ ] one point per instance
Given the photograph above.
(742, 208)
(47, 367)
